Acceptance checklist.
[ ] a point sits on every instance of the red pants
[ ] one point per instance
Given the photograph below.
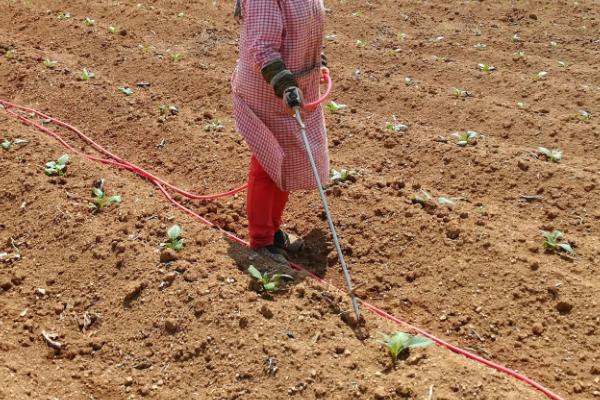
(264, 206)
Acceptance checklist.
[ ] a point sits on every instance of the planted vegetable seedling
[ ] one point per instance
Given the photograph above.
(10, 54)
(89, 22)
(554, 155)
(399, 342)
(165, 109)
(125, 90)
(175, 240)
(86, 75)
(100, 200)
(176, 57)
(540, 76)
(583, 115)
(114, 29)
(7, 144)
(486, 67)
(463, 139)
(334, 107)
(63, 16)
(460, 92)
(50, 64)
(58, 167)
(268, 283)
(339, 176)
(551, 242)
(214, 126)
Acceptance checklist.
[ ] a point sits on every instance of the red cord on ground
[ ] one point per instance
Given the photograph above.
(163, 186)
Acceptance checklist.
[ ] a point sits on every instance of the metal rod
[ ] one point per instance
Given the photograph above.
(328, 214)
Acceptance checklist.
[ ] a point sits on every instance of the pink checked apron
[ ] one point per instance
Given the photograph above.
(291, 30)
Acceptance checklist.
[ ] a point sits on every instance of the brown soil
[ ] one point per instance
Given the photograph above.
(474, 273)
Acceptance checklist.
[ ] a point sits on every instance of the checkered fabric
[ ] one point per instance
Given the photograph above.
(293, 31)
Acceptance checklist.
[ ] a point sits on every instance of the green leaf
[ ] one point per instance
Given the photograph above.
(20, 141)
(125, 90)
(63, 160)
(99, 193)
(270, 286)
(254, 273)
(444, 201)
(566, 247)
(50, 171)
(113, 200)
(178, 244)
(174, 232)
(6, 144)
(419, 341)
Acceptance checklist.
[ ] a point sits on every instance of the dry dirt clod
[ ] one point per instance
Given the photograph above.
(564, 307)
(133, 291)
(380, 393)
(537, 329)
(266, 312)
(168, 255)
(171, 326)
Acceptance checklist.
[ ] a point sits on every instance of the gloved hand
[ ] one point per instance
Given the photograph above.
(292, 97)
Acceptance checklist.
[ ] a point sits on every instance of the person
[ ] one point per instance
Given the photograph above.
(280, 62)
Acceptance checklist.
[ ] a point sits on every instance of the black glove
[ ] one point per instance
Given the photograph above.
(292, 97)
(278, 76)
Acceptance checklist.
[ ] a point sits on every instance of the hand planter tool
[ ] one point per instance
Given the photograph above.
(313, 165)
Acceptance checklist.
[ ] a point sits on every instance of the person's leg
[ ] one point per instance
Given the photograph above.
(279, 203)
(260, 203)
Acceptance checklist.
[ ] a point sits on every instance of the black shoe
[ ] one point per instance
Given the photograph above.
(274, 253)
(288, 242)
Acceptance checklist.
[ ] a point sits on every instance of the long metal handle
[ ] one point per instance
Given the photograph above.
(328, 214)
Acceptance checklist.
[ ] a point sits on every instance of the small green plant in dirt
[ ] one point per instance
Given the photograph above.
(516, 38)
(330, 37)
(465, 138)
(460, 92)
(584, 116)
(402, 36)
(339, 176)
(10, 54)
(58, 167)
(399, 342)
(486, 67)
(7, 144)
(89, 22)
(522, 105)
(551, 242)
(63, 16)
(408, 81)
(86, 75)
(554, 155)
(50, 64)
(175, 240)
(480, 46)
(565, 64)
(360, 44)
(334, 107)
(540, 76)
(423, 198)
(268, 283)
(114, 29)
(100, 200)
(394, 127)
(125, 90)
(214, 126)
(176, 57)
(165, 109)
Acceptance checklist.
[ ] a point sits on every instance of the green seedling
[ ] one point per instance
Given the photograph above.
(7, 144)
(58, 167)
(441, 59)
(486, 67)
(10, 54)
(521, 104)
(175, 240)
(393, 127)
(330, 37)
(89, 22)
(564, 64)
(422, 198)
(176, 57)
(100, 199)
(519, 54)
(463, 139)
(408, 81)
(181, 15)
(50, 64)
(480, 46)
(360, 44)
(86, 75)
(553, 44)
(145, 48)
(268, 283)
(334, 107)
(399, 342)
(125, 90)
(436, 39)
(357, 13)
(516, 38)
(214, 126)
(584, 116)
(402, 36)
(63, 16)
(339, 176)
(540, 76)
(166, 109)
(551, 242)
(114, 29)
(554, 155)
(460, 92)
(445, 201)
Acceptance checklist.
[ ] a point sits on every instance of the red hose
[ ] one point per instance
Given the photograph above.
(162, 186)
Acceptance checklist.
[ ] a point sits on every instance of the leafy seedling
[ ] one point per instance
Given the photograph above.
(393, 127)
(522, 105)
(551, 242)
(166, 109)
(86, 75)
(519, 54)
(564, 64)
(63, 16)
(89, 22)
(214, 126)
(460, 92)
(360, 44)
(7, 144)
(399, 342)
(175, 240)
(50, 64)
(58, 167)
(445, 201)
(480, 46)
(408, 81)
(402, 36)
(125, 90)
(356, 13)
(114, 29)
(540, 76)
(10, 54)
(584, 116)
(334, 107)
(339, 176)
(330, 37)
(516, 38)
(423, 198)
(268, 283)
(100, 199)
(486, 67)
(554, 155)
(176, 57)
(464, 138)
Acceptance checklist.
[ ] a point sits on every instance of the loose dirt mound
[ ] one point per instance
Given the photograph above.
(474, 272)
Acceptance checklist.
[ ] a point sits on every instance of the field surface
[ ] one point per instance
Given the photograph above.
(471, 268)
